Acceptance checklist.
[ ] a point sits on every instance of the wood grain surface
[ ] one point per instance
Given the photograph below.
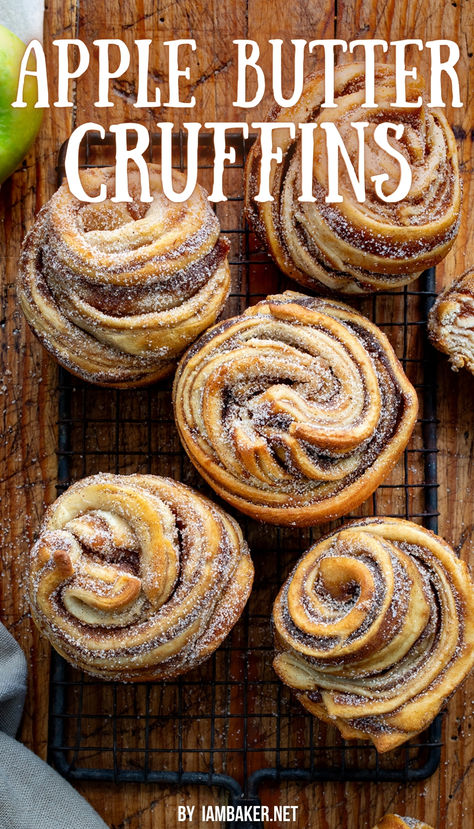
(28, 401)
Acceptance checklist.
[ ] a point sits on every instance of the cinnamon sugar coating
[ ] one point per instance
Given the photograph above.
(353, 247)
(397, 822)
(374, 629)
(117, 291)
(295, 411)
(451, 322)
(136, 577)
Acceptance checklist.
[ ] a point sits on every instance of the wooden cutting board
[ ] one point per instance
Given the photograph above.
(28, 404)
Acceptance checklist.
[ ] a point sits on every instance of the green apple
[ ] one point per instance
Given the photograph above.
(18, 126)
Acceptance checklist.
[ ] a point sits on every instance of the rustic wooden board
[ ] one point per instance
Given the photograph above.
(27, 392)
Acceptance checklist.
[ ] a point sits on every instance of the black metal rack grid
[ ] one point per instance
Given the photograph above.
(230, 723)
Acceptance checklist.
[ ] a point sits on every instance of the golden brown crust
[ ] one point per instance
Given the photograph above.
(374, 629)
(295, 411)
(397, 822)
(116, 292)
(352, 247)
(451, 322)
(137, 577)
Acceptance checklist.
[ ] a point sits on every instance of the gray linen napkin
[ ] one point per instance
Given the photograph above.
(32, 795)
(23, 17)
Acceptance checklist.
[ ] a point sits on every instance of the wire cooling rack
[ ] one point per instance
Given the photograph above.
(229, 723)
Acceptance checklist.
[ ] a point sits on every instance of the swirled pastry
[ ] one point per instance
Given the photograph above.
(137, 577)
(374, 629)
(397, 822)
(351, 246)
(295, 411)
(451, 322)
(117, 291)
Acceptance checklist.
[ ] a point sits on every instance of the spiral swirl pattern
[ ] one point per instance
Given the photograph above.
(117, 291)
(296, 410)
(397, 822)
(354, 247)
(451, 322)
(374, 629)
(137, 577)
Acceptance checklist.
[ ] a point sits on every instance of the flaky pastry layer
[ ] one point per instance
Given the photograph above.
(117, 291)
(295, 411)
(374, 629)
(136, 577)
(451, 322)
(359, 247)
